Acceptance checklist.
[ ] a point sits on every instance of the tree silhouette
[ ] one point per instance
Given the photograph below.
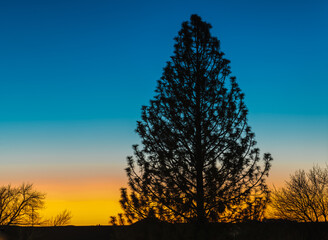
(305, 197)
(198, 161)
(61, 219)
(20, 205)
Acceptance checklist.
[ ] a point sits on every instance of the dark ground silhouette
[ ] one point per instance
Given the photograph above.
(149, 231)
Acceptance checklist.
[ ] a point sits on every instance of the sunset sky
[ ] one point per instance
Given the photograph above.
(74, 75)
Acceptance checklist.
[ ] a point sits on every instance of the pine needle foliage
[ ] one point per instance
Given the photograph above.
(198, 161)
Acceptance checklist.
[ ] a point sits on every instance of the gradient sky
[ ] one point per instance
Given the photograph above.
(74, 75)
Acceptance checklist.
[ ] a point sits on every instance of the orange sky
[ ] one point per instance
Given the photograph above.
(90, 192)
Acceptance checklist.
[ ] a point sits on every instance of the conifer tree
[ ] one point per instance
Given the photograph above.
(198, 160)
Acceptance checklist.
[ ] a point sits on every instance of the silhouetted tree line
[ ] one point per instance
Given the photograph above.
(304, 198)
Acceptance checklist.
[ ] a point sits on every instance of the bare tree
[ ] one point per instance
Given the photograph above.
(305, 197)
(60, 219)
(20, 205)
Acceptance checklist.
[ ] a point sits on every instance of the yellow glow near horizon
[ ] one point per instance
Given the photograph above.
(90, 202)
(94, 203)
(84, 212)
(92, 193)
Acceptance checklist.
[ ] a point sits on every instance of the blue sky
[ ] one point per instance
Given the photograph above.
(74, 75)
(81, 60)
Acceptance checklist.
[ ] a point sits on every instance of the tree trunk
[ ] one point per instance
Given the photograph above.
(199, 155)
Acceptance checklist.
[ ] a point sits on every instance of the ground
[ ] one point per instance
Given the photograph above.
(161, 231)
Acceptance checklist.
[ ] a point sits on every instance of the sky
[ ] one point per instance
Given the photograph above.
(74, 75)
